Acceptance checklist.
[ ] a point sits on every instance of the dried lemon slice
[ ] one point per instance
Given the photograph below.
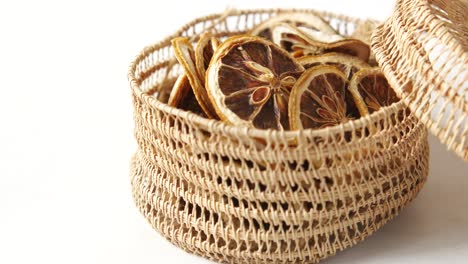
(302, 42)
(249, 81)
(162, 92)
(203, 53)
(373, 87)
(182, 96)
(317, 99)
(349, 65)
(184, 53)
(305, 20)
(364, 31)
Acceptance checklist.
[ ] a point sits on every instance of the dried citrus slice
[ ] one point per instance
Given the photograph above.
(373, 87)
(162, 92)
(179, 91)
(346, 63)
(249, 81)
(182, 96)
(317, 99)
(364, 31)
(203, 53)
(306, 20)
(185, 54)
(308, 42)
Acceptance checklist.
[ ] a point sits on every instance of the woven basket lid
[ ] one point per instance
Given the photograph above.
(423, 51)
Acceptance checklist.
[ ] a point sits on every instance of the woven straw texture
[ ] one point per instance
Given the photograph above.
(423, 50)
(245, 195)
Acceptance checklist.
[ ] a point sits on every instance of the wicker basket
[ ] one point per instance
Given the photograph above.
(244, 195)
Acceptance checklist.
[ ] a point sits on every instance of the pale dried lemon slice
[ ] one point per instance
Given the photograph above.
(161, 92)
(249, 81)
(305, 20)
(317, 99)
(363, 31)
(302, 42)
(182, 96)
(349, 65)
(185, 54)
(373, 87)
(203, 53)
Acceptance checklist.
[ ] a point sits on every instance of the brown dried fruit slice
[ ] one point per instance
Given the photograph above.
(317, 99)
(373, 87)
(249, 81)
(162, 92)
(185, 54)
(364, 31)
(348, 65)
(306, 20)
(182, 96)
(302, 42)
(203, 53)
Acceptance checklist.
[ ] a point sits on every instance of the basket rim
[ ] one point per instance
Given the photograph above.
(217, 125)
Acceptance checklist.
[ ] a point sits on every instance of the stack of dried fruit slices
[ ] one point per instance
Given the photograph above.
(290, 72)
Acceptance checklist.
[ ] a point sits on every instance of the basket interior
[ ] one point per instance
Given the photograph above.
(153, 73)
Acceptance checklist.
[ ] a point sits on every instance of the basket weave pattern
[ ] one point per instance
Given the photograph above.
(423, 51)
(246, 195)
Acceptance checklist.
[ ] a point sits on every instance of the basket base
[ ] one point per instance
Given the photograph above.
(179, 229)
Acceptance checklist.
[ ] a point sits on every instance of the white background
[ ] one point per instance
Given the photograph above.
(66, 140)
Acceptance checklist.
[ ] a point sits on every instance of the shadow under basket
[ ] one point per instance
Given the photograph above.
(245, 195)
